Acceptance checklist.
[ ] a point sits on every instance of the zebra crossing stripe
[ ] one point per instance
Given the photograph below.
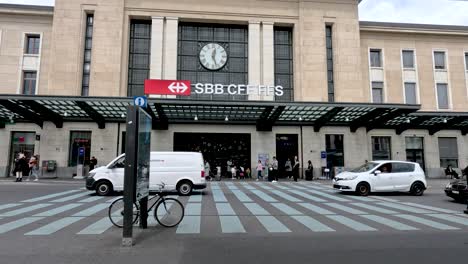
(282, 187)
(113, 199)
(58, 210)
(427, 222)
(362, 199)
(49, 196)
(195, 198)
(307, 196)
(432, 208)
(24, 210)
(18, 223)
(286, 196)
(218, 196)
(346, 208)
(193, 209)
(316, 209)
(388, 222)
(351, 223)
(312, 224)
(192, 220)
(6, 206)
(231, 224)
(91, 199)
(264, 196)
(264, 186)
(288, 210)
(385, 199)
(54, 226)
(256, 209)
(451, 218)
(224, 209)
(231, 186)
(92, 210)
(299, 187)
(271, 224)
(241, 195)
(405, 208)
(69, 198)
(374, 208)
(329, 196)
(247, 186)
(98, 227)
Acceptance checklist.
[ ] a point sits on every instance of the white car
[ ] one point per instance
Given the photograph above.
(383, 176)
(181, 171)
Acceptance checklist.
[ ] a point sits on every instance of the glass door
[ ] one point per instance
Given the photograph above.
(21, 142)
(415, 150)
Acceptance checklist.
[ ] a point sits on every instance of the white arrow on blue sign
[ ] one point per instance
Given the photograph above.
(140, 101)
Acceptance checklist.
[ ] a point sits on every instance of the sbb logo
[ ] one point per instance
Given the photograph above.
(178, 87)
(167, 87)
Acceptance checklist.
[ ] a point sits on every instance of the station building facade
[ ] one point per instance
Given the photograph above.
(350, 90)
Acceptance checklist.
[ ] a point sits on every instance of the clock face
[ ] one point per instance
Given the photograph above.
(213, 56)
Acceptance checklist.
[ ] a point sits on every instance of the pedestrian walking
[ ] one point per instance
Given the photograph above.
(218, 173)
(310, 171)
(259, 170)
(234, 172)
(92, 163)
(241, 173)
(268, 168)
(288, 168)
(207, 170)
(295, 169)
(22, 168)
(248, 173)
(449, 171)
(274, 166)
(33, 168)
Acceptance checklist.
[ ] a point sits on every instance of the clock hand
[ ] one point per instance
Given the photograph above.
(213, 55)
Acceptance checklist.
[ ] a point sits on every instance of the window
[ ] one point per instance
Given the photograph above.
(330, 78)
(442, 96)
(381, 148)
(410, 93)
(402, 167)
(376, 58)
(415, 150)
(29, 83)
(79, 139)
(33, 43)
(448, 152)
(335, 151)
(408, 59)
(466, 61)
(87, 55)
(386, 168)
(377, 92)
(139, 56)
(283, 39)
(439, 60)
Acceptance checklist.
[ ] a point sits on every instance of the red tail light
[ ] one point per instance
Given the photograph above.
(203, 174)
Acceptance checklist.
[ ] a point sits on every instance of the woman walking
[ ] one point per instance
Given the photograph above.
(259, 170)
(288, 168)
(33, 168)
(295, 169)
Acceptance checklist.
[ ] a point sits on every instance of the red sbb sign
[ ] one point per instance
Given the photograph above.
(167, 87)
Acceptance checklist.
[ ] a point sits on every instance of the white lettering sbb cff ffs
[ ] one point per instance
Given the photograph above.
(238, 89)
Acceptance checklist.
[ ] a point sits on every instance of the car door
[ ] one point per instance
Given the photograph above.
(383, 180)
(403, 175)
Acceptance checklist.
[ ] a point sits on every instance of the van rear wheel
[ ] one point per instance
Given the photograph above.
(185, 188)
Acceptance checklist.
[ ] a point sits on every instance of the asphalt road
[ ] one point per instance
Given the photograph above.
(236, 223)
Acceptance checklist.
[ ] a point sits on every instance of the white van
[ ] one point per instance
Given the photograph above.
(181, 171)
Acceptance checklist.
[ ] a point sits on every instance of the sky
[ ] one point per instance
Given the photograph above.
(443, 12)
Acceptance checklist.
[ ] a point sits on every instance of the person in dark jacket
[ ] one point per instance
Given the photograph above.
(449, 171)
(92, 163)
(295, 169)
(310, 171)
(22, 167)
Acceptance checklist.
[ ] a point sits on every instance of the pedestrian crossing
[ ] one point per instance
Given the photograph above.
(236, 208)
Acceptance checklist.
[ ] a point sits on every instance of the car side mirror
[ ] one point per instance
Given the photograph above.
(377, 172)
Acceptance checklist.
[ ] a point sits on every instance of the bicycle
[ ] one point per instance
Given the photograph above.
(169, 214)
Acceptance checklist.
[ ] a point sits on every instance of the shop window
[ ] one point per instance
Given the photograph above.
(139, 56)
(335, 150)
(448, 152)
(87, 55)
(21, 142)
(381, 148)
(415, 150)
(79, 139)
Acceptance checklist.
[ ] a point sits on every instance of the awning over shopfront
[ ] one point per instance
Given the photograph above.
(263, 114)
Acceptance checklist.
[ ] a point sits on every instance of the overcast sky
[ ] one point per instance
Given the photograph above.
(448, 12)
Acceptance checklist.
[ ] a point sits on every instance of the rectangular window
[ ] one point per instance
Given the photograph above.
(87, 55)
(442, 96)
(381, 148)
(377, 92)
(33, 43)
(330, 77)
(410, 93)
(335, 150)
(283, 44)
(29, 82)
(79, 139)
(376, 58)
(448, 152)
(408, 59)
(439, 60)
(139, 56)
(466, 61)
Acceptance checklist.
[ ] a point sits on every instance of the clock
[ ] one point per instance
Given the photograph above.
(213, 56)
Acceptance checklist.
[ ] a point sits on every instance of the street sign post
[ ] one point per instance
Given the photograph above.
(137, 167)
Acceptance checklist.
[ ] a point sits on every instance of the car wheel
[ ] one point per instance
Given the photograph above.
(185, 188)
(417, 189)
(103, 188)
(363, 189)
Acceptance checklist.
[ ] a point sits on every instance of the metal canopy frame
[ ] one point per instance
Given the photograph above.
(263, 114)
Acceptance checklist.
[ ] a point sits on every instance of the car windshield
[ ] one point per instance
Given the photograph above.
(366, 167)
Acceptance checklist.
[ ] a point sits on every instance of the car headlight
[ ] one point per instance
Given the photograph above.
(350, 178)
(449, 185)
(91, 175)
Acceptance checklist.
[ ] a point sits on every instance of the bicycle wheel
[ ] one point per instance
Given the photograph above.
(116, 212)
(169, 212)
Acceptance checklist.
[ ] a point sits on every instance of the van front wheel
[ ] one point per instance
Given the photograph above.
(185, 188)
(103, 188)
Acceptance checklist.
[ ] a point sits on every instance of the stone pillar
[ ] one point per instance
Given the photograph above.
(268, 61)
(254, 56)
(157, 29)
(170, 48)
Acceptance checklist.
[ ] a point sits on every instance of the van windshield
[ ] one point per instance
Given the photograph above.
(366, 167)
(120, 163)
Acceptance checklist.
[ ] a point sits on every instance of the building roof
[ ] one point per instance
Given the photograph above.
(408, 27)
(27, 7)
